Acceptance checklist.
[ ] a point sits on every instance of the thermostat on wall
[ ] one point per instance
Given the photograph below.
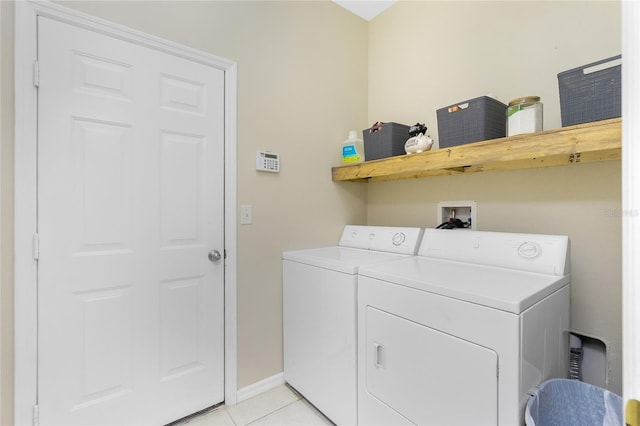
(267, 161)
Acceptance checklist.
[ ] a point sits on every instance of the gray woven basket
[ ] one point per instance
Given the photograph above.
(591, 96)
(469, 121)
(384, 140)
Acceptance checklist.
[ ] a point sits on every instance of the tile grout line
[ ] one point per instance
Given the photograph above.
(236, 422)
(230, 416)
(297, 396)
(287, 386)
(272, 412)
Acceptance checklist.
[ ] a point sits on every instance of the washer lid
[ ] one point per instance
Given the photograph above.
(499, 288)
(341, 259)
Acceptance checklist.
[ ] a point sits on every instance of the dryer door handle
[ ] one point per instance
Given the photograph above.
(378, 355)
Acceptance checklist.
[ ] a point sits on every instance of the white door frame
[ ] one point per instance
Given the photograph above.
(630, 200)
(26, 326)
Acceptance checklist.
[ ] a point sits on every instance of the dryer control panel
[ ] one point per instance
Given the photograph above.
(402, 240)
(547, 254)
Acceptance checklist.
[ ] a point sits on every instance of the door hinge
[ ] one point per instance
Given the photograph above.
(36, 73)
(36, 416)
(36, 247)
(225, 253)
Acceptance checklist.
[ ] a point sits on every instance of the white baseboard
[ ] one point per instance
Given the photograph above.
(261, 386)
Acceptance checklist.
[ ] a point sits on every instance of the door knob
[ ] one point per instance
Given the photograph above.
(214, 256)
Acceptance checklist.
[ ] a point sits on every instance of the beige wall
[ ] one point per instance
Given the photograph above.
(302, 85)
(427, 55)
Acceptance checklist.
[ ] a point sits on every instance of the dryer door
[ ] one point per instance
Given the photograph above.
(426, 376)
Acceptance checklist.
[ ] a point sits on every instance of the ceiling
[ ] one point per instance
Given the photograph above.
(366, 9)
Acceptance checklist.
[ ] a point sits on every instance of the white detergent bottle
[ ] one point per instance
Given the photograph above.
(352, 149)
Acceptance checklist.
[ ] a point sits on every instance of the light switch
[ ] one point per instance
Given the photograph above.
(246, 214)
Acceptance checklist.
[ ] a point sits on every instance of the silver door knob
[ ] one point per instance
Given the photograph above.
(214, 256)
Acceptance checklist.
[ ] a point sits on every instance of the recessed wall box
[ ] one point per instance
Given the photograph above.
(466, 211)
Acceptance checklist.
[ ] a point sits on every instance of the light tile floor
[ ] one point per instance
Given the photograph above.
(279, 406)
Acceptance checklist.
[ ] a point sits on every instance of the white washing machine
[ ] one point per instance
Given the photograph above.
(320, 313)
(461, 333)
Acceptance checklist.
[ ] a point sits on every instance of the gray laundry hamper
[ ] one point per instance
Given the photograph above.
(564, 402)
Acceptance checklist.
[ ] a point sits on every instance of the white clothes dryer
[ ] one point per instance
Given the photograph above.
(320, 313)
(461, 333)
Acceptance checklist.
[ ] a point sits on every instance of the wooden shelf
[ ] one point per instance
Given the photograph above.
(583, 143)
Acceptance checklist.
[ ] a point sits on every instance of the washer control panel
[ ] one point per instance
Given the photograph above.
(404, 240)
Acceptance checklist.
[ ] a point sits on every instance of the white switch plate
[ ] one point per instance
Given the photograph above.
(246, 214)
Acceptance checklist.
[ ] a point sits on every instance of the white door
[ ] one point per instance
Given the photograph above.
(130, 203)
